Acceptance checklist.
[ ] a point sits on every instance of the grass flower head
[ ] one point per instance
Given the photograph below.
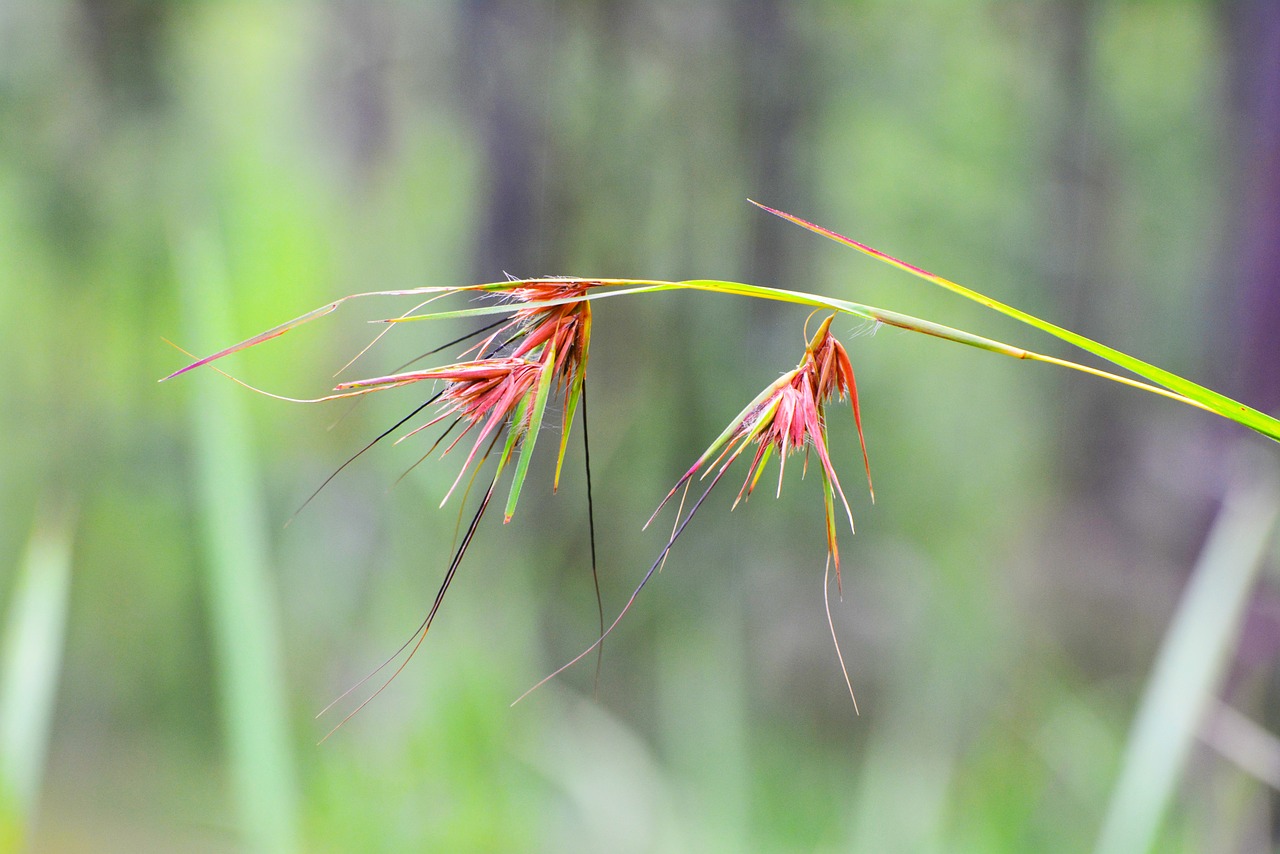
(789, 415)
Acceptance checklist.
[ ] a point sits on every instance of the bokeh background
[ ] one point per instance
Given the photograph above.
(200, 171)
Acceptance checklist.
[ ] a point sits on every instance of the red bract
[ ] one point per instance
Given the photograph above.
(494, 391)
(547, 320)
(834, 378)
(555, 329)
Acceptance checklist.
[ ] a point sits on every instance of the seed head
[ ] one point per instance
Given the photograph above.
(788, 416)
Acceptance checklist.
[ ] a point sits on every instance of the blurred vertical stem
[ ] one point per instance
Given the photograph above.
(240, 599)
(1190, 663)
(32, 658)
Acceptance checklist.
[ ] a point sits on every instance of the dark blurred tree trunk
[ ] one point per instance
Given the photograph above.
(775, 118)
(1076, 216)
(1107, 544)
(507, 51)
(355, 85)
(1254, 62)
(1255, 71)
(123, 39)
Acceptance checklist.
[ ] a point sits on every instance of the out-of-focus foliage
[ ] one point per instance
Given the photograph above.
(1003, 600)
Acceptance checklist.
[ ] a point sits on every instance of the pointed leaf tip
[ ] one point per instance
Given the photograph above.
(274, 332)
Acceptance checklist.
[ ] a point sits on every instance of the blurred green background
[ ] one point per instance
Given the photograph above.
(201, 171)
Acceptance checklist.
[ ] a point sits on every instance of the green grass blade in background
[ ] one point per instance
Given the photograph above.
(1190, 663)
(241, 602)
(30, 661)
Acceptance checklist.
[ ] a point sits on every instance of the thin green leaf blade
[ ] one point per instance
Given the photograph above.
(1212, 400)
(572, 397)
(530, 433)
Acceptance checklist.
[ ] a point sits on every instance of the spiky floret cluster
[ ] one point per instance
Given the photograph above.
(488, 392)
(544, 345)
(541, 346)
(555, 322)
(555, 314)
(789, 415)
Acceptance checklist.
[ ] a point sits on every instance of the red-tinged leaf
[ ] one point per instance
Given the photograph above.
(274, 332)
(1176, 387)
(857, 422)
(861, 247)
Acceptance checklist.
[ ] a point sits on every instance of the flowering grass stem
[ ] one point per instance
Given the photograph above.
(537, 348)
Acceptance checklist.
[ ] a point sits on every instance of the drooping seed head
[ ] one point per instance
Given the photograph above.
(788, 416)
